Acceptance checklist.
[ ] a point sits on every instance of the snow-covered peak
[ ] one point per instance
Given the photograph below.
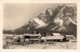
(40, 22)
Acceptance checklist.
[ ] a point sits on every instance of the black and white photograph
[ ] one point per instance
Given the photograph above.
(40, 26)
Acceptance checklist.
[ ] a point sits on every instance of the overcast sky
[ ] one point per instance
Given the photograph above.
(16, 15)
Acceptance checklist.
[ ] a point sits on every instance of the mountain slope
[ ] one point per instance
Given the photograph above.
(61, 19)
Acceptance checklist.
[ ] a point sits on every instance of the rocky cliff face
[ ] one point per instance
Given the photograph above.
(61, 19)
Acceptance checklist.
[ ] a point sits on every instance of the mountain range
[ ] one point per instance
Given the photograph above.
(62, 19)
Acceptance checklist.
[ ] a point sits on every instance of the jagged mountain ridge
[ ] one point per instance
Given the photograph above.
(44, 15)
(62, 18)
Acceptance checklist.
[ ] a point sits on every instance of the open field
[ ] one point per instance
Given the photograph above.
(55, 45)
